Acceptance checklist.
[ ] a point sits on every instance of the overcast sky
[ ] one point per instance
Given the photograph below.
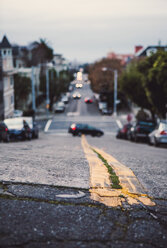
(85, 30)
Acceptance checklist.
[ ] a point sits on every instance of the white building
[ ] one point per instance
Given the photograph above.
(60, 63)
(7, 78)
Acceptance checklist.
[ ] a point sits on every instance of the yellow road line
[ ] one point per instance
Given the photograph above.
(100, 184)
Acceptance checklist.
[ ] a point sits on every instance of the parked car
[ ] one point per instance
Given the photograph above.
(33, 126)
(88, 100)
(76, 95)
(102, 105)
(106, 111)
(79, 129)
(141, 130)
(64, 99)
(15, 128)
(59, 107)
(159, 135)
(122, 132)
(4, 134)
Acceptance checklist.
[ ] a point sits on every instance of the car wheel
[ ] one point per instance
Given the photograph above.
(98, 134)
(36, 135)
(7, 138)
(156, 143)
(135, 138)
(29, 136)
(149, 142)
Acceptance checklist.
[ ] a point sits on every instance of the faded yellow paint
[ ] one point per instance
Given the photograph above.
(100, 185)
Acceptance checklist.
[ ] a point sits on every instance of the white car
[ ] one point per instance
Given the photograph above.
(159, 135)
(64, 99)
(59, 107)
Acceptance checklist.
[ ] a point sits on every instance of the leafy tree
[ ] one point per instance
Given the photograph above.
(145, 82)
(103, 80)
(57, 84)
(22, 89)
(41, 52)
(154, 69)
(131, 83)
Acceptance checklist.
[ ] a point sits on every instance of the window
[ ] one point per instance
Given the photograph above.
(12, 99)
(6, 85)
(6, 103)
(11, 81)
(4, 52)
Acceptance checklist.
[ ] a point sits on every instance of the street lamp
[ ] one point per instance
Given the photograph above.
(115, 87)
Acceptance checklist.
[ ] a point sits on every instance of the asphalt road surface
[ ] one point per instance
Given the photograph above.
(56, 192)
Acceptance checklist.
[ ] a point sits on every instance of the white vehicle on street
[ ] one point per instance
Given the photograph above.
(59, 107)
(159, 135)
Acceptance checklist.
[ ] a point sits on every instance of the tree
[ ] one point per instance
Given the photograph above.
(154, 69)
(131, 83)
(100, 80)
(22, 89)
(41, 52)
(145, 82)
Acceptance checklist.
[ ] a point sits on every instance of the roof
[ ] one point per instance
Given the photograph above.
(5, 43)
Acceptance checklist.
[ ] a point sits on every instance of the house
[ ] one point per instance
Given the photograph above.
(146, 51)
(124, 58)
(60, 63)
(6, 79)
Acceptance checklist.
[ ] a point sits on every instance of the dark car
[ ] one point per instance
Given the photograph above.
(33, 126)
(122, 132)
(79, 129)
(88, 100)
(4, 134)
(140, 130)
(16, 128)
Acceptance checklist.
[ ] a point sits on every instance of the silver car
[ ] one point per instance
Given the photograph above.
(159, 135)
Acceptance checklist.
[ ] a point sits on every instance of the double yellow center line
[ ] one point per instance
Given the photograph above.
(100, 185)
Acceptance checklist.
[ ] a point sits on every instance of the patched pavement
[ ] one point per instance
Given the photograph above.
(48, 216)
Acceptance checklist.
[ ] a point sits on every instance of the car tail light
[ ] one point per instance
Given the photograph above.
(6, 129)
(73, 127)
(163, 132)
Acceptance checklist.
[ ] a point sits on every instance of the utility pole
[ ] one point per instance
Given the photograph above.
(47, 91)
(115, 91)
(33, 90)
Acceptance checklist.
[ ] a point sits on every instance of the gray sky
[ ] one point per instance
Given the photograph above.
(85, 30)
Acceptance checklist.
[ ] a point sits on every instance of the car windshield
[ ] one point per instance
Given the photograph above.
(163, 126)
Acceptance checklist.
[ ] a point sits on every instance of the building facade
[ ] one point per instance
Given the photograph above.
(6, 79)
